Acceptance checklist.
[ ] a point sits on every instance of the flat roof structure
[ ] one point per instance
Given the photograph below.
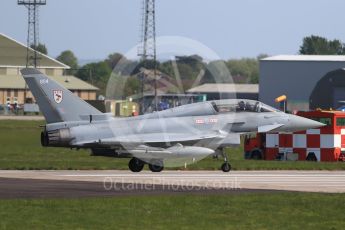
(327, 58)
(225, 88)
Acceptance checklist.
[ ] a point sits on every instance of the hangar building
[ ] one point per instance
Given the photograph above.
(12, 85)
(227, 91)
(308, 81)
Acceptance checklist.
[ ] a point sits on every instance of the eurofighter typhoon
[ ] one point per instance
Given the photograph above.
(187, 132)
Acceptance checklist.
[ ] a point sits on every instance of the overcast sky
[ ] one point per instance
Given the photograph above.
(232, 28)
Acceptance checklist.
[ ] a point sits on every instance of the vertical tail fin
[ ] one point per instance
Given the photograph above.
(57, 103)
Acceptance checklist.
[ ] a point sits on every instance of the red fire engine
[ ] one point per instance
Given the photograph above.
(323, 144)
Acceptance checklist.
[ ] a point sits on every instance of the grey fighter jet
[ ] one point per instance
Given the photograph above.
(186, 132)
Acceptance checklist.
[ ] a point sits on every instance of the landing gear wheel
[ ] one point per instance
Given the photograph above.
(136, 165)
(156, 166)
(226, 167)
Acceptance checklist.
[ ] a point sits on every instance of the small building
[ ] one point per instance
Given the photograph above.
(122, 108)
(12, 85)
(227, 91)
(308, 81)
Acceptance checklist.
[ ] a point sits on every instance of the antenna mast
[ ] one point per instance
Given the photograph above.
(147, 49)
(33, 29)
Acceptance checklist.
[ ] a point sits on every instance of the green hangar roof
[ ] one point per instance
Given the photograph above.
(13, 54)
(70, 82)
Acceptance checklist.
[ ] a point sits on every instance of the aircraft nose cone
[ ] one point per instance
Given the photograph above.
(301, 123)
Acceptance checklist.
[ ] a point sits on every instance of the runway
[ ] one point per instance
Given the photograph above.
(11, 188)
(32, 184)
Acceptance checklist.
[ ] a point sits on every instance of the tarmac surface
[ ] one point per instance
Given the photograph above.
(56, 184)
(37, 188)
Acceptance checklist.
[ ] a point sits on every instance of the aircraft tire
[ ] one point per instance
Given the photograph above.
(135, 165)
(226, 167)
(156, 166)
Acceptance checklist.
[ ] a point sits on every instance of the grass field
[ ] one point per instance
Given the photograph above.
(20, 149)
(243, 211)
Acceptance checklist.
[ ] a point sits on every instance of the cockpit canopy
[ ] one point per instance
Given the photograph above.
(209, 108)
(240, 105)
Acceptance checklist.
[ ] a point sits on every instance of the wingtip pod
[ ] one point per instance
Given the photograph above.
(29, 71)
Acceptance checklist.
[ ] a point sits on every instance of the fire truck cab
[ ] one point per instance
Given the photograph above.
(254, 146)
(322, 144)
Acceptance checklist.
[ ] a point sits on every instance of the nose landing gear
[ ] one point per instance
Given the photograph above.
(226, 167)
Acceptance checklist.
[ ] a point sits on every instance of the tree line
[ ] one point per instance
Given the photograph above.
(244, 70)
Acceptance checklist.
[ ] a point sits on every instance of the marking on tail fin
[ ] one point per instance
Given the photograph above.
(44, 81)
(58, 95)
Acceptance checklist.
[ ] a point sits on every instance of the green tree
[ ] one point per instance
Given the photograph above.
(40, 48)
(131, 86)
(113, 59)
(245, 70)
(217, 72)
(262, 56)
(188, 68)
(121, 65)
(194, 61)
(315, 45)
(167, 68)
(96, 73)
(67, 57)
(147, 64)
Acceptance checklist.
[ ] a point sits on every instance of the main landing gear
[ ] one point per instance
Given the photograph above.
(226, 167)
(156, 166)
(136, 165)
